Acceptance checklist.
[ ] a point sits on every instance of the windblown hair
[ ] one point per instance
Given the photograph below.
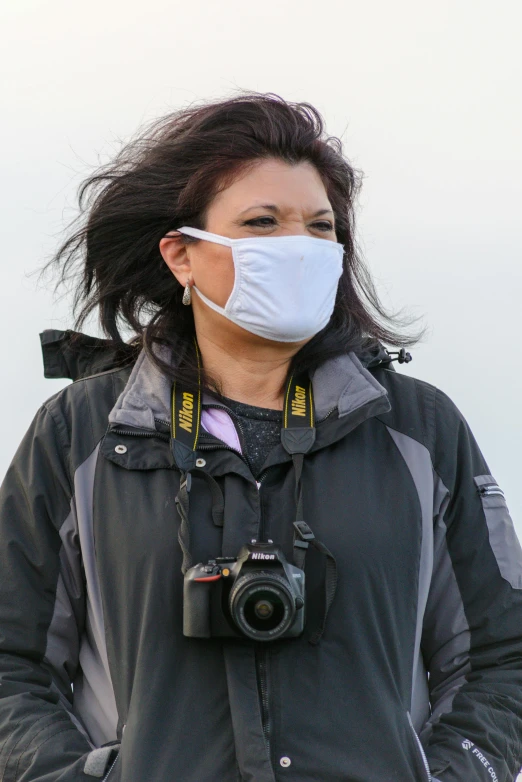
(167, 177)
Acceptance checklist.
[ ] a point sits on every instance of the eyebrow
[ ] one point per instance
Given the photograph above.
(274, 208)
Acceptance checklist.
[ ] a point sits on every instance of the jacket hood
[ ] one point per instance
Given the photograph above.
(343, 382)
(72, 355)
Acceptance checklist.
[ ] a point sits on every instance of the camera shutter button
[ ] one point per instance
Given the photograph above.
(285, 762)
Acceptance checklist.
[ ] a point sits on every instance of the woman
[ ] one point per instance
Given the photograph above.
(240, 546)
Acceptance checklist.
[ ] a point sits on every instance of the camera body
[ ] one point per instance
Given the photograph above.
(257, 595)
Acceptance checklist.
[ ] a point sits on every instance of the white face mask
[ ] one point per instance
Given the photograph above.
(284, 287)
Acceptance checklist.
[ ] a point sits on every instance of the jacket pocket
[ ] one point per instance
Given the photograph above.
(502, 536)
(423, 765)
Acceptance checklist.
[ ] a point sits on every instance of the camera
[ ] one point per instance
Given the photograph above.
(256, 595)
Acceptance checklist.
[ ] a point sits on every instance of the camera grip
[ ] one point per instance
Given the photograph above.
(196, 609)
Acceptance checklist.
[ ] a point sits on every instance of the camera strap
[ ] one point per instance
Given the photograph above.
(297, 437)
(185, 423)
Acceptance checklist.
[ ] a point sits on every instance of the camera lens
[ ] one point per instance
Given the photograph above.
(262, 606)
(263, 609)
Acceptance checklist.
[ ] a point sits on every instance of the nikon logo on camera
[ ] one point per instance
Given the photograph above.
(299, 401)
(185, 415)
(259, 555)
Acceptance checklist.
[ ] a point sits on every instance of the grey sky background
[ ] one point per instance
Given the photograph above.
(425, 95)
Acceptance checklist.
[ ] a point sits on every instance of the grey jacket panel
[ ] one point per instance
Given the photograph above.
(418, 459)
(441, 623)
(447, 638)
(63, 636)
(94, 701)
(502, 535)
(76, 650)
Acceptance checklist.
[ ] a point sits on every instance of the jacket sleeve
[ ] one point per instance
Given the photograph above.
(41, 604)
(472, 635)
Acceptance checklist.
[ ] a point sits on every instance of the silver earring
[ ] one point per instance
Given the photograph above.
(187, 295)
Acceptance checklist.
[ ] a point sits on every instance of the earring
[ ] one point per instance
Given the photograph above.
(187, 295)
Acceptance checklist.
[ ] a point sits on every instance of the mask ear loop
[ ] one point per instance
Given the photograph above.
(197, 233)
(217, 239)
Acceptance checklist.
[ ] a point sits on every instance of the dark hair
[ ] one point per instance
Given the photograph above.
(167, 177)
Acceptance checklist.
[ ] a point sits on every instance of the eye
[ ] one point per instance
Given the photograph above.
(267, 221)
(262, 222)
(323, 225)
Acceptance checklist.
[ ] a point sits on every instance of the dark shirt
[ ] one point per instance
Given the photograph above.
(260, 430)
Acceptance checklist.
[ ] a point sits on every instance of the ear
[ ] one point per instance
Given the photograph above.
(174, 253)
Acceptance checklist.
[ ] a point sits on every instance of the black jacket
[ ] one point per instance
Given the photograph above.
(423, 639)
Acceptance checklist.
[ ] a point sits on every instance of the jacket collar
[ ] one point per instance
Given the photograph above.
(341, 384)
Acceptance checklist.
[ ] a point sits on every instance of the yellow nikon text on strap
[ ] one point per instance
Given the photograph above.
(186, 414)
(299, 406)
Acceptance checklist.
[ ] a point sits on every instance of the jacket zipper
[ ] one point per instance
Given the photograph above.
(109, 772)
(140, 433)
(489, 489)
(261, 656)
(421, 749)
(262, 653)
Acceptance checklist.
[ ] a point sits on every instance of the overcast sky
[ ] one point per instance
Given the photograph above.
(425, 95)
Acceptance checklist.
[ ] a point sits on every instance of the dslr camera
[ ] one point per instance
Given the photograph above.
(256, 595)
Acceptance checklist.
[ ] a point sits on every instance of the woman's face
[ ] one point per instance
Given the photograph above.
(272, 198)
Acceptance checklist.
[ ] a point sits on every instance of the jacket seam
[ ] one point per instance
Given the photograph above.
(52, 736)
(399, 430)
(112, 371)
(52, 719)
(435, 422)
(25, 751)
(90, 413)
(421, 515)
(417, 440)
(66, 452)
(113, 386)
(429, 404)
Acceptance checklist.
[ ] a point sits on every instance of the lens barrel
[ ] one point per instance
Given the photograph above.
(262, 606)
